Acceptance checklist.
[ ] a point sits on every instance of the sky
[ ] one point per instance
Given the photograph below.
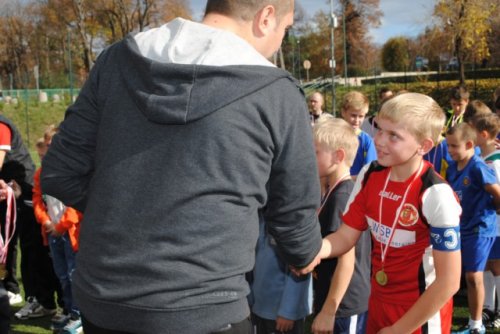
(406, 18)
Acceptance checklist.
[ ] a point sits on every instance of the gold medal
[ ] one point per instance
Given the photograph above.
(3, 271)
(381, 277)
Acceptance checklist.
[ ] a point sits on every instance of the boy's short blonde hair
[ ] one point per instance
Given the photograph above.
(464, 131)
(50, 131)
(40, 144)
(419, 113)
(487, 122)
(335, 133)
(355, 100)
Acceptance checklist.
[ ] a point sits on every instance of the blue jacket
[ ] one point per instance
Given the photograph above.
(275, 290)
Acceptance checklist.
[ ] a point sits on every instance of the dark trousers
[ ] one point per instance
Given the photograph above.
(37, 271)
(267, 326)
(4, 311)
(243, 327)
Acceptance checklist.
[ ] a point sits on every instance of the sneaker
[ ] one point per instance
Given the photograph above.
(74, 326)
(27, 309)
(58, 321)
(467, 330)
(496, 322)
(41, 311)
(14, 298)
(487, 316)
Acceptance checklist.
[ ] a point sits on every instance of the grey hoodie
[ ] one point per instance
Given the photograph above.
(171, 164)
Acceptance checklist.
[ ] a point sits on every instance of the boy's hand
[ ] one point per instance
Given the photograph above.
(323, 323)
(284, 325)
(49, 227)
(323, 253)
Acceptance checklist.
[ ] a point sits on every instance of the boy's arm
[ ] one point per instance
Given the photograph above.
(296, 293)
(494, 191)
(447, 283)
(39, 208)
(341, 278)
(334, 245)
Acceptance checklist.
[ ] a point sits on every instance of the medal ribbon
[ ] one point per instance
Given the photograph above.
(383, 250)
(323, 201)
(10, 225)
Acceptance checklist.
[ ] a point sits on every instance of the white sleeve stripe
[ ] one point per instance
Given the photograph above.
(357, 187)
(5, 147)
(440, 207)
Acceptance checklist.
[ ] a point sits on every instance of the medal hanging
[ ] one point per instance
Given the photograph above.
(10, 227)
(381, 276)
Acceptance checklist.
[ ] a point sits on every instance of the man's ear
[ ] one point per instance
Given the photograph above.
(264, 20)
(426, 145)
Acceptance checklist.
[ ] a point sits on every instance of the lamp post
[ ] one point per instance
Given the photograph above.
(300, 59)
(333, 25)
(70, 67)
(345, 44)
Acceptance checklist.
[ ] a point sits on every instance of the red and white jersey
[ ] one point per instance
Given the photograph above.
(5, 137)
(428, 219)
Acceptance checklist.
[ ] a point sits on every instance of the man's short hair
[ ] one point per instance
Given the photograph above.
(459, 93)
(355, 100)
(335, 133)
(246, 9)
(419, 113)
(487, 122)
(464, 132)
(475, 108)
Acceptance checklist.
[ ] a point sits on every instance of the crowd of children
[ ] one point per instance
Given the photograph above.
(405, 210)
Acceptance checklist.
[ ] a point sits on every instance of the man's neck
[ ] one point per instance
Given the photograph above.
(240, 28)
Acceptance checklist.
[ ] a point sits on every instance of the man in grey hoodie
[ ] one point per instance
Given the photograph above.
(180, 137)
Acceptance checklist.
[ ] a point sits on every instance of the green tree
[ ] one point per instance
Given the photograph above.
(395, 55)
(469, 24)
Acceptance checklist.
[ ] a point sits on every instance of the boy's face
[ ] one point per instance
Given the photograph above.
(395, 145)
(458, 148)
(325, 159)
(41, 152)
(458, 106)
(354, 117)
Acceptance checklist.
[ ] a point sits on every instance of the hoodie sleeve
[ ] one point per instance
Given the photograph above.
(70, 218)
(294, 191)
(68, 166)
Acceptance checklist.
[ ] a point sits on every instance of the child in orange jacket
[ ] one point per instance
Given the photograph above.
(60, 229)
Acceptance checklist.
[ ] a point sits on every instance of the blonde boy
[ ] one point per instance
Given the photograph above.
(354, 108)
(341, 285)
(414, 218)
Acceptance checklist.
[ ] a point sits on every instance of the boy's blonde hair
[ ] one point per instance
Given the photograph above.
(49, 132)
(419, 113)
(40, 144)
(464, 132)
(355, 100)
(487, 122)
(335, 133)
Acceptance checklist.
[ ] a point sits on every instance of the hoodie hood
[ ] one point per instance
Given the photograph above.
(169, 91)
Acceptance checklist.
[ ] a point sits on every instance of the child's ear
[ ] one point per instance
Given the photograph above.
(339, 155)
(483, 134)
(426, 145)
(469, 144)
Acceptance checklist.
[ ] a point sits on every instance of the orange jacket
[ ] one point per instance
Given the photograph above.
(70, 221)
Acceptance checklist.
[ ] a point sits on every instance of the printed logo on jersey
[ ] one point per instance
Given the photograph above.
(390, 195)
(381, 233)
(445, 239)
(466, 181)
(408, 216)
